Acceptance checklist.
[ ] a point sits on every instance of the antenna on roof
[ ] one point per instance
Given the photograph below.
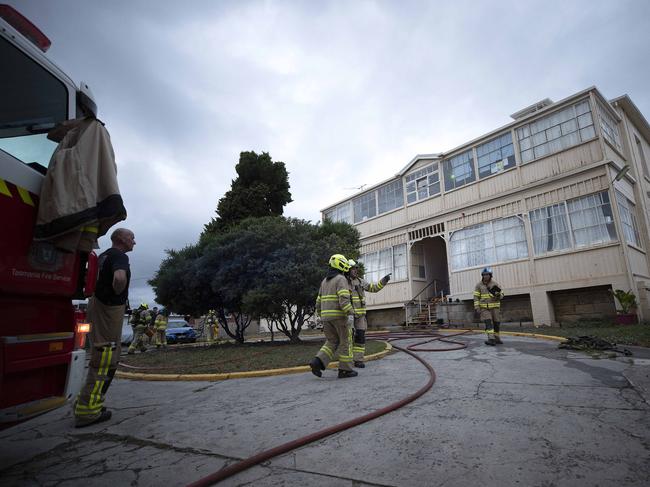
(358, 187)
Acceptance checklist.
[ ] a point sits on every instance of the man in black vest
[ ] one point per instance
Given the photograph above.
(105, 313)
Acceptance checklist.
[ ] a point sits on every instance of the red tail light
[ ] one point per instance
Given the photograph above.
(25, 27)
(80, 333)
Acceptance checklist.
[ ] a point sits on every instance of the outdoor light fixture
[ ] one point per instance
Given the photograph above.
(622, 172)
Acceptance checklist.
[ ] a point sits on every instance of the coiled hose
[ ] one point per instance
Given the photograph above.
(242, 465)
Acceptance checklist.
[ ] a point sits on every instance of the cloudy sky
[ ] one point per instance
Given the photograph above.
(346, 93)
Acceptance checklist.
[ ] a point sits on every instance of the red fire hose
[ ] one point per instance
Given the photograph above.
(235, 468)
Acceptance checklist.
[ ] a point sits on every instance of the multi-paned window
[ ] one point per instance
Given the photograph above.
(390, 196)
(557, 131)
(389, 260)
(459, 170)
(365, 206)
(340, 213)
(609, 127)
(591, 219)
(500, 240)
(383, 199)
(642, 159)
(423, 183)
(496, 155)
(551, 230)
(574, 223)
(628, 218)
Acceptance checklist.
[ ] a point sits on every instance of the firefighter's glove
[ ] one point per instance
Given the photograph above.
(385, 279)
(350, 320)
(477, 313)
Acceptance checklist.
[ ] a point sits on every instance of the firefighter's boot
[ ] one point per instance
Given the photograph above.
(497, 329)
(358, 364)
(344, 374)
(105, 415)
(316, 367)
(490, 341)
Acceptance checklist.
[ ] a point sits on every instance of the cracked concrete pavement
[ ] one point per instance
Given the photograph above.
(525, 414)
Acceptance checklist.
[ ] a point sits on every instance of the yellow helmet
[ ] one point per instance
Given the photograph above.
(339, 262)
(144, 306)
(352, 263)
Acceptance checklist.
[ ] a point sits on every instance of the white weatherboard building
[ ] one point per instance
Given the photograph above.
(556, 202)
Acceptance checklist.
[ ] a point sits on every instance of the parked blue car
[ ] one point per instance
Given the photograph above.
(179, 331)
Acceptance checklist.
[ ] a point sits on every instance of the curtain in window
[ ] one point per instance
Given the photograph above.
(591, 219)
(509, 239)
(399, 262)
(550, 229)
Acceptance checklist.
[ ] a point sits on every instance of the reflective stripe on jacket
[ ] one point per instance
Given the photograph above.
(358, 295)
(483, 298)
(334, 299)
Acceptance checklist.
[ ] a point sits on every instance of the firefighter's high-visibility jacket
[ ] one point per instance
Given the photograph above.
(161, 322)
(334, 300)
(359, 286)
(484, 299)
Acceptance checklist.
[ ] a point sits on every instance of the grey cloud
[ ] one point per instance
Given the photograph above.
(345, 93)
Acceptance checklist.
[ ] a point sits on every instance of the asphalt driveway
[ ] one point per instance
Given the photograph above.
(525, 414)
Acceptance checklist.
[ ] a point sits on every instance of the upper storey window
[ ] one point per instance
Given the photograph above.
(423, 183)
(459, 170)
(556, 132)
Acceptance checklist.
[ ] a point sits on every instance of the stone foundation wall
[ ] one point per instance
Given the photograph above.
(513, 309)
(516, 308)
(594, 303)
(385, 317)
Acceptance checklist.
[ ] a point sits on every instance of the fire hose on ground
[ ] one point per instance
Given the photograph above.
(263, 456)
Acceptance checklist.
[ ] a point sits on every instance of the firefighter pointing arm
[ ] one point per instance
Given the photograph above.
(487, 304)
(359, 286)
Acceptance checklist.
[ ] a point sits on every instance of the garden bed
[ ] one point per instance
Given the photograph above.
(228, 357)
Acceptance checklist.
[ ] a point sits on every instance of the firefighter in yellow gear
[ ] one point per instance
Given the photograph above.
(487, 304)
(140, 320)
(161, 328)
(209, 326)
(359, 288)
(334, 309)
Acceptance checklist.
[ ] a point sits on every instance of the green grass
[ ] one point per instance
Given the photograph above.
(620, 334)
(230, 357)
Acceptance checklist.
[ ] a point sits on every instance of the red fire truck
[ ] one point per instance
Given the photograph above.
(42, 334)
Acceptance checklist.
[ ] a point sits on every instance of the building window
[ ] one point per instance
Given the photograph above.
(591, 219)
(365, 206)
(495, 156)
(575, 223)
(423, 183)
(399, 263)
(642, 159)
(509, 239)
(555, 132)
(340, 213)
(459, 170)
(390, 260)
(550, 229)
(628, 218)
(609, 127)
(418, 269)
(487, 243)
(390, 196)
